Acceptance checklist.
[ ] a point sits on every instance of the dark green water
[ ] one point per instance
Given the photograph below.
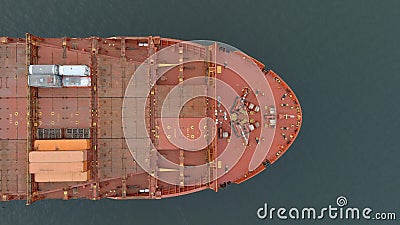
(342, 59)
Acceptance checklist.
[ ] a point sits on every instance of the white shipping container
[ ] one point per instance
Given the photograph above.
(43, 69)
(72, 81)
(44, 81)
(74, 70)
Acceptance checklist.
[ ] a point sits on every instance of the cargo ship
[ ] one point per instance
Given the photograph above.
(136, 117)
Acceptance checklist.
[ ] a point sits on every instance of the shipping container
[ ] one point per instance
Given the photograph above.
(61, 177)
(46, 81)
(62, 144)
(58, 156)
(71, 81)
(48, 133)
(77, 133)
(43, 69)
(74, 70)
(59, 167)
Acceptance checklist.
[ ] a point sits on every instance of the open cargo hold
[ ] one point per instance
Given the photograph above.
(48, 81)
(43, 69)
(71, 81)
(74, 70)
(58, 156)
(61, 177)
(62, 144)
(59, 167)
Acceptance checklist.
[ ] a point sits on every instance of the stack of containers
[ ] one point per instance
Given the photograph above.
(75, 75)
(45, 76)
(62, 160)
(57, 76)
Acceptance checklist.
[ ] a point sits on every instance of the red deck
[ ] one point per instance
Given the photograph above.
(114, 164)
